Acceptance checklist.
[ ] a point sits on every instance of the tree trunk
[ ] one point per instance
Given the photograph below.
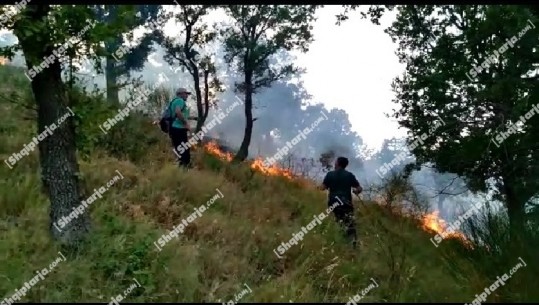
(112, 86)
(243, 152)
(111, 68)
(206, 99)
(71, 80)
(57, 152)
(515, 210)
(198, 93)
(513, 199)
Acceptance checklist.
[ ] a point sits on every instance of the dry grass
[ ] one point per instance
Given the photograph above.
(230, 245)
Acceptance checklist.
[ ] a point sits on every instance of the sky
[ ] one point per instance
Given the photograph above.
(351, 67)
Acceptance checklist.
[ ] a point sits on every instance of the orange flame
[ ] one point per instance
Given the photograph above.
(432, 222)
(257, 164)
(273, 170)
(213, 148)
(3, 61)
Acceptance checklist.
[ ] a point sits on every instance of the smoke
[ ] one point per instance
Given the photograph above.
(282, 111)
(446, 193)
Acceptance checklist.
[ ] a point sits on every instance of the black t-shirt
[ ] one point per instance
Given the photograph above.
(340, 183)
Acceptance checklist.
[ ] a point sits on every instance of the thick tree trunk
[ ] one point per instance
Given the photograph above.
(202, 120)
(198, 94)
(243, 152)
(515, 210)
(111, 46)
(112, 86)
(514, 200)
(206, 109)
(57, 152)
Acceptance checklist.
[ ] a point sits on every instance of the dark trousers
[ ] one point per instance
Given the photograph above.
(179, 136)
(344, 214)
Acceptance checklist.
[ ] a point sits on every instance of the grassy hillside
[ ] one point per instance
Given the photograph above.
(230, 245)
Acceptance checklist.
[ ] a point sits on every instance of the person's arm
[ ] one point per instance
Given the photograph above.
(325, 184)
(180, 116)
(356, 187)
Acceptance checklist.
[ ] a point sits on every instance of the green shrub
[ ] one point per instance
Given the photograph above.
(127, 139)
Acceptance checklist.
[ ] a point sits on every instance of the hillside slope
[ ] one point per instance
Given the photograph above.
(227, 248)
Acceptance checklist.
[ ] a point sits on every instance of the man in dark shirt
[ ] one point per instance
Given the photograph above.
(340, 182)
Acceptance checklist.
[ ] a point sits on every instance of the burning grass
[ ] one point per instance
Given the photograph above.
(430, 222)
(229, 245)
(256, 164)
(213, 149)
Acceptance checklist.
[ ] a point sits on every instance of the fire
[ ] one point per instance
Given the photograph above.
(432, 222)
(213, 148)
(257, 164)
(272, 170)
(3, 61)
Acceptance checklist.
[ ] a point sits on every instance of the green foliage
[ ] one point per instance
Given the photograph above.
(90, 112)
(127, 139)
(131, 138)
(191, 55)
(440, 46)
(197, 35)
(132, 17)
(128, 259)
(75, 29)
(259, 32)
(129, 219)
(211, 162)
(159, 98)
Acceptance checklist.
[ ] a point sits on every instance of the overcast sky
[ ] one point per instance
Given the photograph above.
(351, 66)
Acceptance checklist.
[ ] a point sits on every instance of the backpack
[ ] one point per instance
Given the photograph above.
(167, 118)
